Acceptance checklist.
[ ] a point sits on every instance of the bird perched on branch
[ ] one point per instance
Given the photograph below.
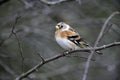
(69, 39)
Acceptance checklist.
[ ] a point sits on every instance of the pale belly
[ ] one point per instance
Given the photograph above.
(66, 44)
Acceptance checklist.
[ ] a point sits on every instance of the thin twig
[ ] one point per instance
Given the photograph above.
(106, 30)
(12, 31)
(96, 43)
(20, 49)
(104, 26)
(30, 71)
(18, 41)
(41, 57)
(53, 2)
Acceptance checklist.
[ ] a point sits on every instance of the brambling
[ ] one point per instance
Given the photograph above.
(68, 38)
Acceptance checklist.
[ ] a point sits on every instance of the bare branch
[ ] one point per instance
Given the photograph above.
(97, 48)
(41, 57)
(106, 30)
(62, 55)
(17, 38)
(20, 49)
(12, 31)
(96, 43)
(53, 2)
(104, 26)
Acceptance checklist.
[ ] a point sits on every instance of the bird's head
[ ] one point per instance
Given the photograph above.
(62, 26)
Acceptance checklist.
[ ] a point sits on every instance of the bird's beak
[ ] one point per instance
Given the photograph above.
(57, 28)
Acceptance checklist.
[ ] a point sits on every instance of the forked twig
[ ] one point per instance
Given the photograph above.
(41, 57)
(13, 32)
(30, 71)
(96, 43)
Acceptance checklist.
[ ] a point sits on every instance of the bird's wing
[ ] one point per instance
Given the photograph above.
(74, 37)
(78, 41)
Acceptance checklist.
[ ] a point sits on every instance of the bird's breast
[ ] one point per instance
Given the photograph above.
(63, 43)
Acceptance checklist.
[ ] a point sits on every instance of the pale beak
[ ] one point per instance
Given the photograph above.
(57, 28)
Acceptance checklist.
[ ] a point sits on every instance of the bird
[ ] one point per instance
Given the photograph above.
(69, 39)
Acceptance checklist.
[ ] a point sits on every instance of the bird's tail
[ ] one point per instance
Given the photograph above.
(84, 44)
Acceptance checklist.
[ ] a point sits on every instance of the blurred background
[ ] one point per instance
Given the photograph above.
(35, 31)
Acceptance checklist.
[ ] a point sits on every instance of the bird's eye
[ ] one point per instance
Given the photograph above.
(60, 26)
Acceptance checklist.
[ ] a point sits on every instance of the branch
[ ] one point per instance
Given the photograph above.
(53, 2)
(12, 31)
(20, 49)
(104, 27)
(96, 43)
(41, 57)
(30, 71)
